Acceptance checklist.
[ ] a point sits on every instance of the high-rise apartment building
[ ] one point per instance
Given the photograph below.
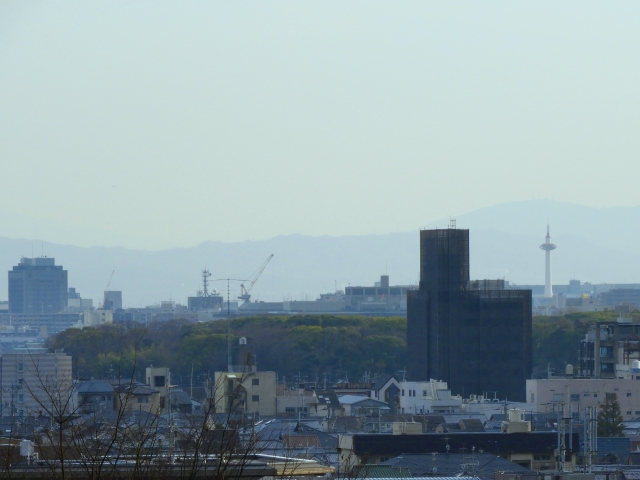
(476, 336)
(37, 286)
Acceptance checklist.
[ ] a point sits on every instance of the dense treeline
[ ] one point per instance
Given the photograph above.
(306, 345)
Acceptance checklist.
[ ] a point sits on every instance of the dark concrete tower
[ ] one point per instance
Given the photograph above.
(474, 335)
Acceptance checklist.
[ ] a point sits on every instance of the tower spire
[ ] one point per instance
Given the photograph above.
(547, 246)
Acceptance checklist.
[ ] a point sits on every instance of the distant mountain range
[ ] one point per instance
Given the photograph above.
(594, 244)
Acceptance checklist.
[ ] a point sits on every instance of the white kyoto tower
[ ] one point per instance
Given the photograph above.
(547, 246)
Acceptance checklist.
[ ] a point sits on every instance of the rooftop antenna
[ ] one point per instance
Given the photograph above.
(205, 282)
(452, 223)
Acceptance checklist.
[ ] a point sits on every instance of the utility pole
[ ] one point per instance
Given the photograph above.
(228, 280)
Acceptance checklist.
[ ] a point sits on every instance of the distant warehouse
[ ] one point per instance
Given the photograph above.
(381, 296)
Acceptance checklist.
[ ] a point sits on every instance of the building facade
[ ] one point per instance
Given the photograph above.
(112, 300)
(245, 392)
(609, 349)
(549, 395)
(381, 296)
(476, 336)
(37, 286)
(35, 384)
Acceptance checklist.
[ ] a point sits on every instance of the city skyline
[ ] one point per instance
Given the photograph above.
(506, 240)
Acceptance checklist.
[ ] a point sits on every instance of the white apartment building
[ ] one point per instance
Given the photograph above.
(36, 384)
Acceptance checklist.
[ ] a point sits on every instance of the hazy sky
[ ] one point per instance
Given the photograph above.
(156, 124)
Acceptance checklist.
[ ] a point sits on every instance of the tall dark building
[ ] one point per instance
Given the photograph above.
(37, 286)
(474, 335)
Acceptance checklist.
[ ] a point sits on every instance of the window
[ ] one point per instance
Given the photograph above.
(628, 412)
(595, 395)
(609, 396)
(255, 398)
(424, 393)
(628, 394)
(20, 367)
(159, 381)
(143, 400)
(587, 394)
(255, 381)
(575, 397)
(558, 397)
(20, 397)
(637, 412)
(533, 398)
(403, 392)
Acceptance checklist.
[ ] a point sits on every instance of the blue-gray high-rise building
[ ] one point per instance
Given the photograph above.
(37, 286)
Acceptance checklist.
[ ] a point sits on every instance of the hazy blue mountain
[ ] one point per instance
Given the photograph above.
(596, 245)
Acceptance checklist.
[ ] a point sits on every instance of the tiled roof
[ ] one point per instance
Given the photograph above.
(482, 465)
(95, 386)
(382, 381)
(300, 441)
(379, 471)
(614, 448)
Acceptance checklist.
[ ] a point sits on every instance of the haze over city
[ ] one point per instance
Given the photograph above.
(158, 125)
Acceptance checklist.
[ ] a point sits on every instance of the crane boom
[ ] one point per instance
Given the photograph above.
(246, 296)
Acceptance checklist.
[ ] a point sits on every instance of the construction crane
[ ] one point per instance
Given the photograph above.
(245, 296)
(106, 289)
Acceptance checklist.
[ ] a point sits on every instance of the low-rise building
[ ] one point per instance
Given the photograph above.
(548, 395)
(96, 396)
(245, 392)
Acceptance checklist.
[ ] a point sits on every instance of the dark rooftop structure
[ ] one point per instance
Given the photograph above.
(476, 336)
(494, 443)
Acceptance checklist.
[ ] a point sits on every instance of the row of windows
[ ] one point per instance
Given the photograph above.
(411, 393)
(296, 409)
(575, 397)
(542, 457)
(376, 291)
